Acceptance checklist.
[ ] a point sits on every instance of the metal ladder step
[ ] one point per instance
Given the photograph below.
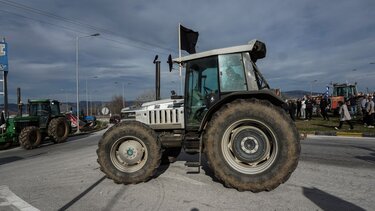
(192, 164)
(196, 164)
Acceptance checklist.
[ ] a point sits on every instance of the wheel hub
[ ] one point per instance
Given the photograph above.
(130, 152)
(249, 144)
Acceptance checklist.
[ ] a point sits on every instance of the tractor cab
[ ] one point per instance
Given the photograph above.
(342, 92)
(44, 109)
(214, 75)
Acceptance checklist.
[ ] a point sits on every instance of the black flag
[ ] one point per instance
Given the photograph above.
(188, 39)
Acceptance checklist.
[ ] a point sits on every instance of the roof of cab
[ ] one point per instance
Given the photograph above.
(234, 49)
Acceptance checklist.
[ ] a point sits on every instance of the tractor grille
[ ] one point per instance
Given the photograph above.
(170, 116)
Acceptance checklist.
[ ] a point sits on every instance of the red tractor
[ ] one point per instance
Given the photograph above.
(342, 92)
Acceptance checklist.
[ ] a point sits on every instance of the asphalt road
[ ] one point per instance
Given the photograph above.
(334, 173)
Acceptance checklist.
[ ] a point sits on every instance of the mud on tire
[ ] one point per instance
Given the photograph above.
(251, 145)
(30, 137)
(129, 153)
(58, 130)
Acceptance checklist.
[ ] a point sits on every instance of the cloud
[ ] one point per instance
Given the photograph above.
(306, 41)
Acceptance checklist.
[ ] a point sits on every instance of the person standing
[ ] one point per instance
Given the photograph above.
(353, 105)
(344, 116)
(309, 108)
(323, 108)
(303, 108)
(370, 112)
(292, 109)
(299, 106)
(364, 102)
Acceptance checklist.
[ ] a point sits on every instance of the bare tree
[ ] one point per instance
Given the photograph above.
(146, 96)
(115, 105)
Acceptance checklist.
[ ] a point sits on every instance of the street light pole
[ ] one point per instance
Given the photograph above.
(77, 74)
(123, 95)
(87, 100)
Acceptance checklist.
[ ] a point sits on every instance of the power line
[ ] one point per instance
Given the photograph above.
(59, 26)
(82, 32)
(75, 22)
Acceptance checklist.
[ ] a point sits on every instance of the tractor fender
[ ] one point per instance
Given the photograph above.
(259, 94)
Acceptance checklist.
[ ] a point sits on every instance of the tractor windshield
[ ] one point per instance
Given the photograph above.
(55, 108)
(346, 91)
(210, 78)
(39, 109)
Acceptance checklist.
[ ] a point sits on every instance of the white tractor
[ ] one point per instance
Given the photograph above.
(228, 113)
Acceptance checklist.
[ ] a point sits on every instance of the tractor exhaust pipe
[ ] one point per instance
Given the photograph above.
(19, 102)
(157, 78)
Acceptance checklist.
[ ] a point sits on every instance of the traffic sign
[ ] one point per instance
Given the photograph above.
(3, 56)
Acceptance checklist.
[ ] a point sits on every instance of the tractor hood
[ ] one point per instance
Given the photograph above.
(163, 104)
(159, 104)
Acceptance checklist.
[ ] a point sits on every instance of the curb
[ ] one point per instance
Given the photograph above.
(87, 132)
(332, 133)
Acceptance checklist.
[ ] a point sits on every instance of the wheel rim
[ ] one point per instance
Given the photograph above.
(249, 146)
(128, 154)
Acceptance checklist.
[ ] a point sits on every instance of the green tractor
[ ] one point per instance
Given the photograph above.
(43, 120)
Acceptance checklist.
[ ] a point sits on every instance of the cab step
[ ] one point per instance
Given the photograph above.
(192, 164)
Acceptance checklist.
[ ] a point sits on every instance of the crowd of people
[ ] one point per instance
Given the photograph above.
(362, 104)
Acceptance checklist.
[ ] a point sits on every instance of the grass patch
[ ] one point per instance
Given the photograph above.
(317, 124)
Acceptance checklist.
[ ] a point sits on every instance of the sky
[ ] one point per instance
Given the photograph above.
(309, 43)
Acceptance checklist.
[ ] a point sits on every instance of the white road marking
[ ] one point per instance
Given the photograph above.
(9, 201)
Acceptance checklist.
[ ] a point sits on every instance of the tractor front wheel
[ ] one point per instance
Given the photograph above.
(252, 145)
(30, 137)
(129, 152)
(58, 130)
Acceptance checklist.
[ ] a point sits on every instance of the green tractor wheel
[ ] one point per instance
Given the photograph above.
(58, 130)
(30, 137)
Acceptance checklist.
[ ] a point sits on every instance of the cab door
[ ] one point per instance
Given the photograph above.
(202, 89)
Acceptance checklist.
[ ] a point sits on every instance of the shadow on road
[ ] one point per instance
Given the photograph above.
(327, 201)
(10, 159)
(369, 158)
(77, 198)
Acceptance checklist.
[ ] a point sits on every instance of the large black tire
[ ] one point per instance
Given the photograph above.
(30, 137)
(251, 145)
(170, 155)
(129, 153)
(58, 130)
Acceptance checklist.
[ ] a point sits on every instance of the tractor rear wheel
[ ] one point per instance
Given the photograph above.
(251, 145)
(58, 130)
(30, 137)
(129, 153)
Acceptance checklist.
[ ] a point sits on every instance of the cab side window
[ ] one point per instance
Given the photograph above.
(232, 73)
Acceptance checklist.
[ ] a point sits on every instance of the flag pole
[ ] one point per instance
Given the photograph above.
(179, 55)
